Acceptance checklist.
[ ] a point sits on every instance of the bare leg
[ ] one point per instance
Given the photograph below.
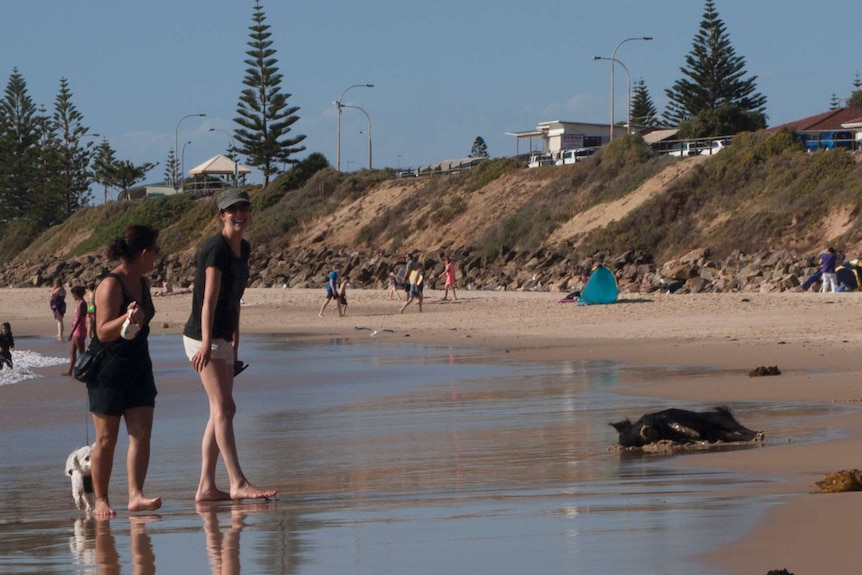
(207, 490)
(102, 461)
(139, 423)
(406, 303)
(217, 379)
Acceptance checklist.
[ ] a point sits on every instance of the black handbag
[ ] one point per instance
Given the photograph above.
(87, 363)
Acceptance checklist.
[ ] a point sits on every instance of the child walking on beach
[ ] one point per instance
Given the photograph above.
(79, 327)
(7, 344)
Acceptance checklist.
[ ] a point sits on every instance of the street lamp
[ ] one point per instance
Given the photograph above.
(367, 117)
(628, 92)
(614, 59)
(176, 146)
(183, 160)
(232, 153)
(338, 106)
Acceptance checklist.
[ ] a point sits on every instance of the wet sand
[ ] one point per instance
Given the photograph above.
(735, 332)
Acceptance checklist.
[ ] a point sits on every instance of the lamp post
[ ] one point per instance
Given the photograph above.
(367, 117)
(176, 132)
(232, 152)
(338, 106)
(183, 161)
(614, 59)
(628, 92)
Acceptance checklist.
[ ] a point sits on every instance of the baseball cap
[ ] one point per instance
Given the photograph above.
(232, 197)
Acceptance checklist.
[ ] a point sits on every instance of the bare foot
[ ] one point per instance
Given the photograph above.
(141, 503)
(212, 495)
(66, 373)
(103, 509)
(249, 491)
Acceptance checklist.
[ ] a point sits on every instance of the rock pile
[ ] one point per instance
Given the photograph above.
(555, 270)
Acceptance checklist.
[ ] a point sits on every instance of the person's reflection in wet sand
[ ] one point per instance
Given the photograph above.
(143, 557)
(223, 548)
(107, 559)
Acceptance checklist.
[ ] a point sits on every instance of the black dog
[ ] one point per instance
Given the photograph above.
(683, 426)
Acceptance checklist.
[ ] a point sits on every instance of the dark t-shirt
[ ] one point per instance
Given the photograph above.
(234, 277)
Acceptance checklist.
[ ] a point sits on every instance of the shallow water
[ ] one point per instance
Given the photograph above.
(390, 457)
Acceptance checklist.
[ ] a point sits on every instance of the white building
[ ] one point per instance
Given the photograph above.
(556, 136)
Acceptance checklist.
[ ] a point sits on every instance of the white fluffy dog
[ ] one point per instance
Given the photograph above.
(78, 468)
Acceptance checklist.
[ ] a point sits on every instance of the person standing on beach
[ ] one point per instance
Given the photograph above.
(7, 344)
(342, 296)
(211, 340)
(416, 281)
(828, 262)
(58, 306)
(331, 290)
(78, 333)
(123, 386)
(90, 298)
(449, 272)
(393, 286)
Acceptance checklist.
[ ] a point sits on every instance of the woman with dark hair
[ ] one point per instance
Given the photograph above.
(123, 386)
(211, 340)
(58, 305)
(78, 333)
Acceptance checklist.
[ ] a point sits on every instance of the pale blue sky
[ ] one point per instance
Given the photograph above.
(444, 71)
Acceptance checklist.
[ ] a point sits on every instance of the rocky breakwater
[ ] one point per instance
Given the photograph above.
(554, 270)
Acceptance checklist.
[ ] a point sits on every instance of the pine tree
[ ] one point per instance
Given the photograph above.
(48, 188)
(264, 118)
(125, 174)
(75, 156)
(20, 132)
(855, 99)
(834, 102)
(714, 86)
(104, 164)
(171, 168)
(644, 112)
(480, 148)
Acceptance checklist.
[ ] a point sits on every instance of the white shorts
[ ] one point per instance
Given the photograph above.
(221, 349)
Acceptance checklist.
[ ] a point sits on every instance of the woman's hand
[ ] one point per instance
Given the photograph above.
(135, 315)
(202, 358)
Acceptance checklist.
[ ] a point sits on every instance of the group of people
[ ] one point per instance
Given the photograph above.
(83, 322)
(123, 386)
(411, 279)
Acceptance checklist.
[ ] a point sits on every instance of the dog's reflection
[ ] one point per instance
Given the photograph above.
(95, 547)
(223, 543)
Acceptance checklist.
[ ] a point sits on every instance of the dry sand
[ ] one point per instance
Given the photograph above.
(811, 337)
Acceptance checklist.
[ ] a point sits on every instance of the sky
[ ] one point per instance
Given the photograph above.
(444, 72)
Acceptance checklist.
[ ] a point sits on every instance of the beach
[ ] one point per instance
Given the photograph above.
(805, 334)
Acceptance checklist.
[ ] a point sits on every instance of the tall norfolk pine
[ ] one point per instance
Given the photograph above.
(264, 117)
(714, 97)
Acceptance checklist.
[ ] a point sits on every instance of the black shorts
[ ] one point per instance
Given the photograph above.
(119, 386)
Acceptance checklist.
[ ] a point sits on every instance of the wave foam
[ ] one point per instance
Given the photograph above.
(25, 361)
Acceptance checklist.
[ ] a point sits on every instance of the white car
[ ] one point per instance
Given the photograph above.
(715, 147)
(685, 149)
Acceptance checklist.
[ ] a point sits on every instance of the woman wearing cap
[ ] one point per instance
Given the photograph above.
(211, 338)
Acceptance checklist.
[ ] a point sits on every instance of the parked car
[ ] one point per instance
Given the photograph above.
(575, 156)
(537, 160)
(715, 147)
(827, 140)
(686, 149)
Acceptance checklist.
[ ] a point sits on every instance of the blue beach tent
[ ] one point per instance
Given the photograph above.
(601, 288)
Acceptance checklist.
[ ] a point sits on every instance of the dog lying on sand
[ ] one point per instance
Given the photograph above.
(78, 468)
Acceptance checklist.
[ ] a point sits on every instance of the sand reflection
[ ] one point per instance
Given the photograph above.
(95, 547)
(223, 543)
